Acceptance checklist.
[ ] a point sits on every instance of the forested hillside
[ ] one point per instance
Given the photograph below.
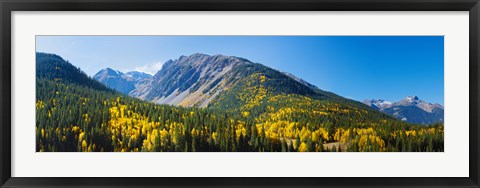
(264, 111)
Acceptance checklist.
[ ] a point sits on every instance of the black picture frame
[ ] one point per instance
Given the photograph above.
(7, 6)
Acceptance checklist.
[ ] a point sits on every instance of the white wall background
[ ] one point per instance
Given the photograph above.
(453, 162)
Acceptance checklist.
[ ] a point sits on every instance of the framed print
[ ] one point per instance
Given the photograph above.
(239, 93)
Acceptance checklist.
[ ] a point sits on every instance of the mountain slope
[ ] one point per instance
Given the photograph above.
(198, 79)
(410, 109)
(190, 80)
(274, 113)
(53, 67)
(301, 80)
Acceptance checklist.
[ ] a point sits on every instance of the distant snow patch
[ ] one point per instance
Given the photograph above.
(150, 68)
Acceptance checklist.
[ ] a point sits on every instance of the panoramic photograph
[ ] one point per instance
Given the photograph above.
(239, 94)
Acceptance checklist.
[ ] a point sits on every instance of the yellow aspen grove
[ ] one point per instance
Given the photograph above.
(303, 147)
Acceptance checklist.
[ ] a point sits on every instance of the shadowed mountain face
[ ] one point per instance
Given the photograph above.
(54, 67)
(410, 109)
(123, 83)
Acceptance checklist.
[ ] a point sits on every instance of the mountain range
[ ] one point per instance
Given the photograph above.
(196, 80)
(122, 82)
(247, 107)
(410, 109)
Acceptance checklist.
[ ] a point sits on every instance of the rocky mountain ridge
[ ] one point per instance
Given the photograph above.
(411, 109)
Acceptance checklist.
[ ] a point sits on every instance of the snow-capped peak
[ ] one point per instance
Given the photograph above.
(416, 101)
(378, 103)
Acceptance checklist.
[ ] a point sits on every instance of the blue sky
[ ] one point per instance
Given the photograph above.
(357, 67)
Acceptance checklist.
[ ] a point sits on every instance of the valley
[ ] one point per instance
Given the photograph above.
(210, 103)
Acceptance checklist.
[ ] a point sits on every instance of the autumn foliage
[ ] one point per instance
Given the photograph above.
(253, 116)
